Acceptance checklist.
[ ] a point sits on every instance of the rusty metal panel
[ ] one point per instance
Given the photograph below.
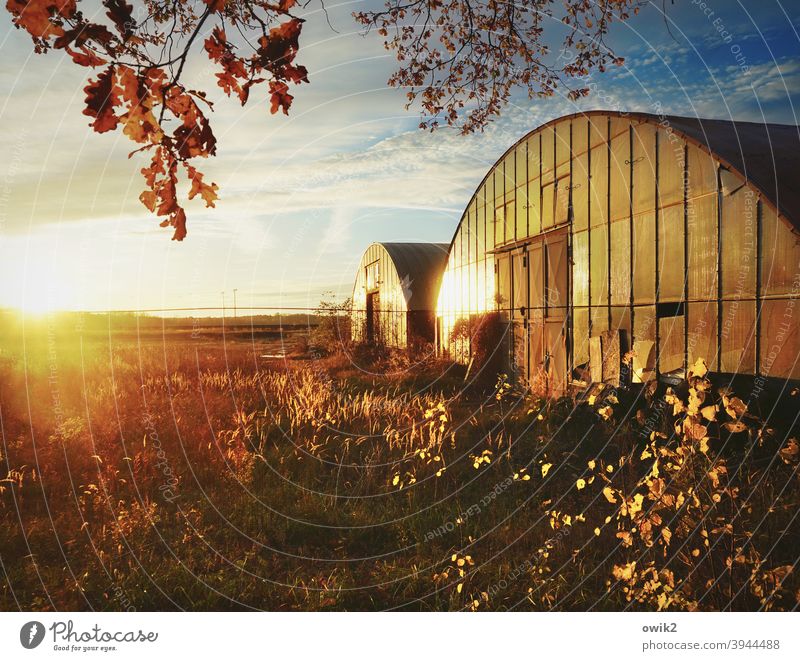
(671, 343)
(644, 258)
(670, 168)
(780, 256)
(644, 167)
(671, 270)
(598, 190)
(598, 245)
(738, 241)
(702, 333)
(580, 268)
(580, 192)
(620, 262)
(580, 336)
(702, 247)
(738, 337)
(780, 339)
(620, 177)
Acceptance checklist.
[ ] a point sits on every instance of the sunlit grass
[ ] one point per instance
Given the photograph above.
(153, 471)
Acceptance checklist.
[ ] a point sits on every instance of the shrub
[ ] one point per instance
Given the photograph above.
(332, 334)
(485, 335)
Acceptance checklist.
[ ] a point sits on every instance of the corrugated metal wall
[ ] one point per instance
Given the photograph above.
(664, 244)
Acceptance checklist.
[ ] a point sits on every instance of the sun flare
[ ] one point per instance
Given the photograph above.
(41, 292)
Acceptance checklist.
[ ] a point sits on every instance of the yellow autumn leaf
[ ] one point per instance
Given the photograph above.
(624, 572)
(581, 483)
(608, 492)
(545, 469)
(635, 505)
(699, 368)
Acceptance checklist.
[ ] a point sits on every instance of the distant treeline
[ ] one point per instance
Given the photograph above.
(97, 321)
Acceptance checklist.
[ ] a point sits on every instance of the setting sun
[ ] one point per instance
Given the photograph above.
(40, 292)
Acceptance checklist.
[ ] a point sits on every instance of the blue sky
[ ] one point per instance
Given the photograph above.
(303, 196)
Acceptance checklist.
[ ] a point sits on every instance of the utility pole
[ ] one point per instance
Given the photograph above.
(234, 303)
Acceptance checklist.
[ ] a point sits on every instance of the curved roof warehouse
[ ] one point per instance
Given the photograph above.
(394, 296)
(602, 232)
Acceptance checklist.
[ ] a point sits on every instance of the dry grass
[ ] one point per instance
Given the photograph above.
(164, 474)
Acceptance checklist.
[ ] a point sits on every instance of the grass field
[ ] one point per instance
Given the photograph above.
(165, 469)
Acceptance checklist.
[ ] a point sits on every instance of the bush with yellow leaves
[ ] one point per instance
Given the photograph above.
(695, 527)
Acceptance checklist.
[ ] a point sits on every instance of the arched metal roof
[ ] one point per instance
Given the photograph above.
(422, 264)
(766, 155)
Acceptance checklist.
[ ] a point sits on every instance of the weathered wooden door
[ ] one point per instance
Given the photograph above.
(519, 313)
(556, 311)
(536, 315)
(548, 282)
